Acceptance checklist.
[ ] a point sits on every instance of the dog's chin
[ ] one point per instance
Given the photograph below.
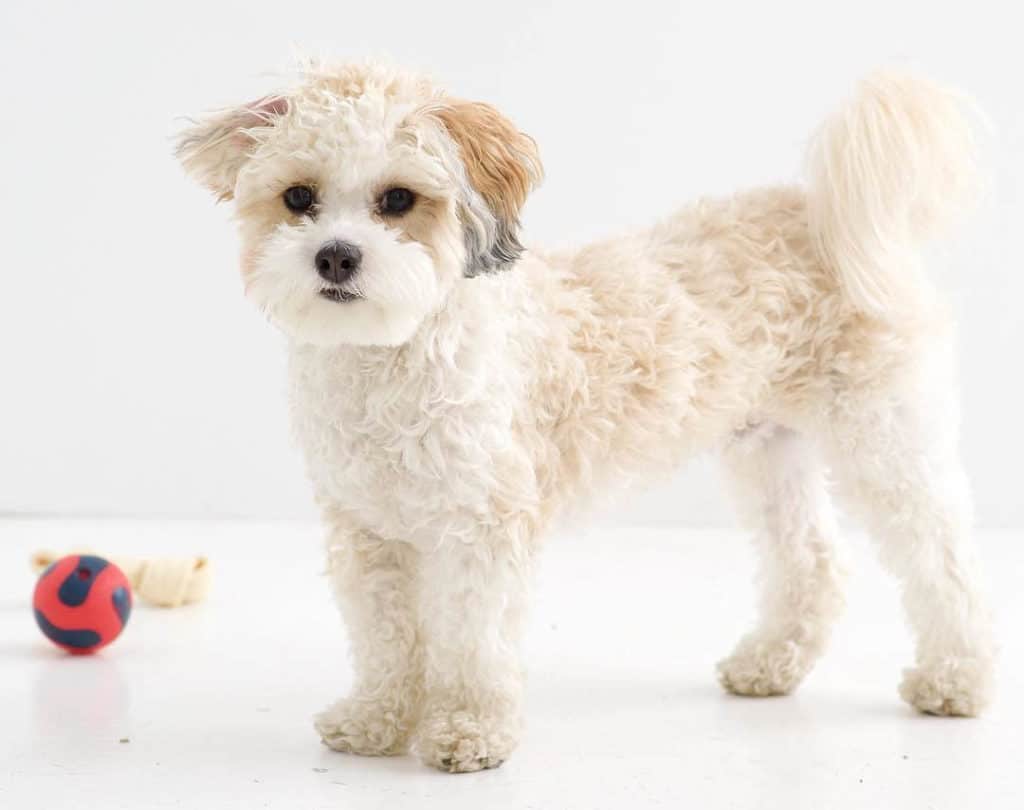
(345, 320)
(338, 295)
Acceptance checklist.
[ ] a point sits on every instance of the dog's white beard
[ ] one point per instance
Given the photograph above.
(397, 283)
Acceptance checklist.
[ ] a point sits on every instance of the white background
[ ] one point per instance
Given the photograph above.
(134, 379)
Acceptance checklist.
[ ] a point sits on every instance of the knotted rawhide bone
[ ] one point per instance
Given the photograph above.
(162, 581)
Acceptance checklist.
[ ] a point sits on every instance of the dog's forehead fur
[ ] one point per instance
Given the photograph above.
(347, 128)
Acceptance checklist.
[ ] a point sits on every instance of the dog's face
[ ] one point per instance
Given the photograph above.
(364, 196)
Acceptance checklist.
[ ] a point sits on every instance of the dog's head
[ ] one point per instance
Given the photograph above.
(364, 195)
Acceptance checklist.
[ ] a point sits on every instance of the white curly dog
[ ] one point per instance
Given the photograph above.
(453, 393)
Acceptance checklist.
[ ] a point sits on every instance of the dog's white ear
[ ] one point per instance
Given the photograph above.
(502, 165)
(214, 148)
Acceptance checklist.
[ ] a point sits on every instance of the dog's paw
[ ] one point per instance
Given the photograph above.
(363, 727)
(952, 687)
(762, 669)
(462, 742)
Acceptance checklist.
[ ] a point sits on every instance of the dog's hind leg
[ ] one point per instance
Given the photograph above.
(780, 484)
(897, 461)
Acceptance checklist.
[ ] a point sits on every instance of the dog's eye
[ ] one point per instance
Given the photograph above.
(396, 201)
(299, 199)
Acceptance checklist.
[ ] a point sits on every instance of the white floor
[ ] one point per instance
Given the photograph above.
(214, 701)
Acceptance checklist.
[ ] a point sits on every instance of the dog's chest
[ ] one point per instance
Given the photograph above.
(406, 448)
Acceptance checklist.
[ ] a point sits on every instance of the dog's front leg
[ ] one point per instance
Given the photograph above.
(375, 584)
(472, 611)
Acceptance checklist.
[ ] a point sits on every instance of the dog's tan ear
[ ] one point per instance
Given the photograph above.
(502, 165)
(214, 149)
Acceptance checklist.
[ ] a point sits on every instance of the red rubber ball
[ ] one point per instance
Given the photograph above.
(82, 603)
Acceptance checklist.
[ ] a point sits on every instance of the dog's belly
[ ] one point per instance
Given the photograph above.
(676, 337)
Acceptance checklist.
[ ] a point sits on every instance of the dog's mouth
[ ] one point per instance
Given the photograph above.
(338, 294)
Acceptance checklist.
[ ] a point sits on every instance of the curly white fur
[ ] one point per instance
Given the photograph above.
(451, 413)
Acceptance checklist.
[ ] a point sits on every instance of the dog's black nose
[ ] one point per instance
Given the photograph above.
(337, 261)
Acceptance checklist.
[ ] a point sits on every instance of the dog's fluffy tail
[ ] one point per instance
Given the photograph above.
(891, 168)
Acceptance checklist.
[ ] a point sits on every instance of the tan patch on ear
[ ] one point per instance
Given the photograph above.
(502, 163)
